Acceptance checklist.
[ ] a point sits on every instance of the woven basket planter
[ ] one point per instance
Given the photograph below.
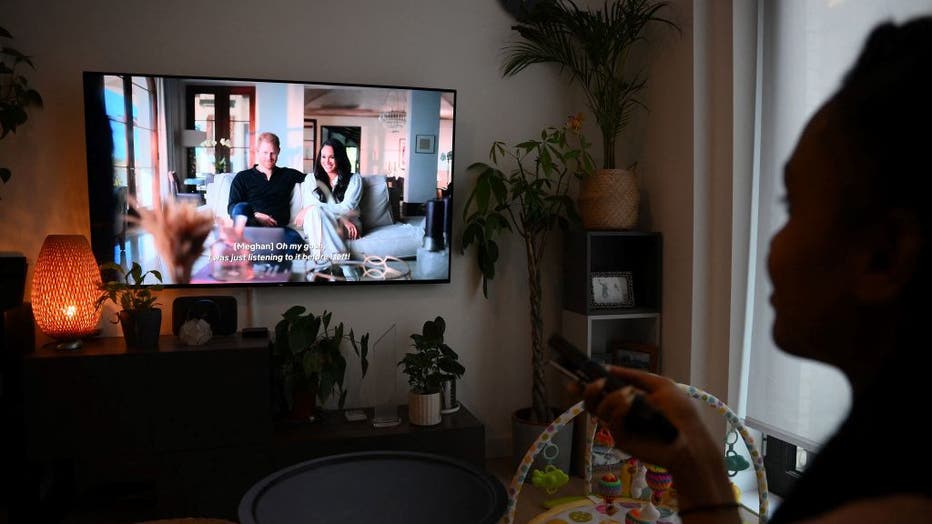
(609, 199)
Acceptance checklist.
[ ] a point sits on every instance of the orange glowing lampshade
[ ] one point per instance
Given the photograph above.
(64, 288)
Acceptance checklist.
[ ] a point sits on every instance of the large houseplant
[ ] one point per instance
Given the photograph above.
(307, 351)
(430, 364)
(526, 191)
(140, 319)
(16, 96)
(593, 46)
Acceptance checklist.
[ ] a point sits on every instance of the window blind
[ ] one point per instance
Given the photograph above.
(806, 48)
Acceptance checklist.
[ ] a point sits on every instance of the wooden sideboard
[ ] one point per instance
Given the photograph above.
(185, 431)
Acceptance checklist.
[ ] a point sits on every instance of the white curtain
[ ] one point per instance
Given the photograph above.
(806, 47)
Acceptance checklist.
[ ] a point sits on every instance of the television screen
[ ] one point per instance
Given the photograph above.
(293, 183)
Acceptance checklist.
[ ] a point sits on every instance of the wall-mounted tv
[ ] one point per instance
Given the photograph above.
(358, 192)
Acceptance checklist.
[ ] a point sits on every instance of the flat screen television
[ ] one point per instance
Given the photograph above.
(193, 140)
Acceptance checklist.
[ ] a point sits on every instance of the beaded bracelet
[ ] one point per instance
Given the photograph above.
(709, 508)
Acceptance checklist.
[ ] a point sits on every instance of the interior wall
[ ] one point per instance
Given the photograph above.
(684, 161)
(411, 43)
(665, 157)
(421, 183)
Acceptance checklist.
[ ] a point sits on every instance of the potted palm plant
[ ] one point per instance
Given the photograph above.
(429, 366)
(593, 47)
(140, 319)
(307, 352)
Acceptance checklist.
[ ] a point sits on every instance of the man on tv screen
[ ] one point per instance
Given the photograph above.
(263, 193)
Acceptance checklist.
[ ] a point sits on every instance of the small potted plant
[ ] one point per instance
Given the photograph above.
(307, 351)
(140, 319)
(430, 364)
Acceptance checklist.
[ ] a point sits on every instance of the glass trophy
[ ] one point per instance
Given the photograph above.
(380, 386)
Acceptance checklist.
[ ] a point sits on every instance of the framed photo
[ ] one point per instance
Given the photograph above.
(636, 355)
(611, 290)
(425, 144)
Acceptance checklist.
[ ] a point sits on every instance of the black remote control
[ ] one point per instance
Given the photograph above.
(642, 418)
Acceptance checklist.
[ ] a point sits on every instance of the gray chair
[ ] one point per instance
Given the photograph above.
(179, 193)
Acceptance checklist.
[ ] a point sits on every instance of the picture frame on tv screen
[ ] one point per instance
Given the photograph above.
(304, 183)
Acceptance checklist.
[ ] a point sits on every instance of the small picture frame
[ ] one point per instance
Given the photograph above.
(611, 290)
(636, 355)
(425, 144)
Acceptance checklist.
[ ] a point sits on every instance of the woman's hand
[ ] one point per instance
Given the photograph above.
(661, 394)
(352, 233)
(694, 458)
(299, 218)
(264, 219)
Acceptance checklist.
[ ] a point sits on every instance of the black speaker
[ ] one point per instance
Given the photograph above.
(219, 311)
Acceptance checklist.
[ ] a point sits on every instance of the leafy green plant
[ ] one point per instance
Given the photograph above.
(432, 361)
(531, 199)
(15, 93)
(307, 350)
(127, 291)
(594, 47)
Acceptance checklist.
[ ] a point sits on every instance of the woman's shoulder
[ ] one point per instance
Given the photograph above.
(890, 508)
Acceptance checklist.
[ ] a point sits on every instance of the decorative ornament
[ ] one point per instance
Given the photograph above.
(733, 461)
(644, 515)
(659, 481)
(609, 489)
(195, 332)
(551, 478)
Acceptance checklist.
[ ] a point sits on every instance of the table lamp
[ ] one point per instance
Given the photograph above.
(64, 289)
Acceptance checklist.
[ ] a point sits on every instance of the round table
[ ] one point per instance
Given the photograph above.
(376, 486)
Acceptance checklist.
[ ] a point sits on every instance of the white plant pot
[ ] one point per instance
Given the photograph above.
(424, 410)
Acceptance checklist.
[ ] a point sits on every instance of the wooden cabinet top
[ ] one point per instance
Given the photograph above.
(114, 346)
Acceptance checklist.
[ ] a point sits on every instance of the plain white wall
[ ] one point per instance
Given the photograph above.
(665, 160)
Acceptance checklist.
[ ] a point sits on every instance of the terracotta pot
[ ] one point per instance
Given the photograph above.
(609, 199)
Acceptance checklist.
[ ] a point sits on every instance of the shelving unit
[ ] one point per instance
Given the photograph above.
(596, 329)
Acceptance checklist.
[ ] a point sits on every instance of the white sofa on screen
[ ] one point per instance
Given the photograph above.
(381, 235)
